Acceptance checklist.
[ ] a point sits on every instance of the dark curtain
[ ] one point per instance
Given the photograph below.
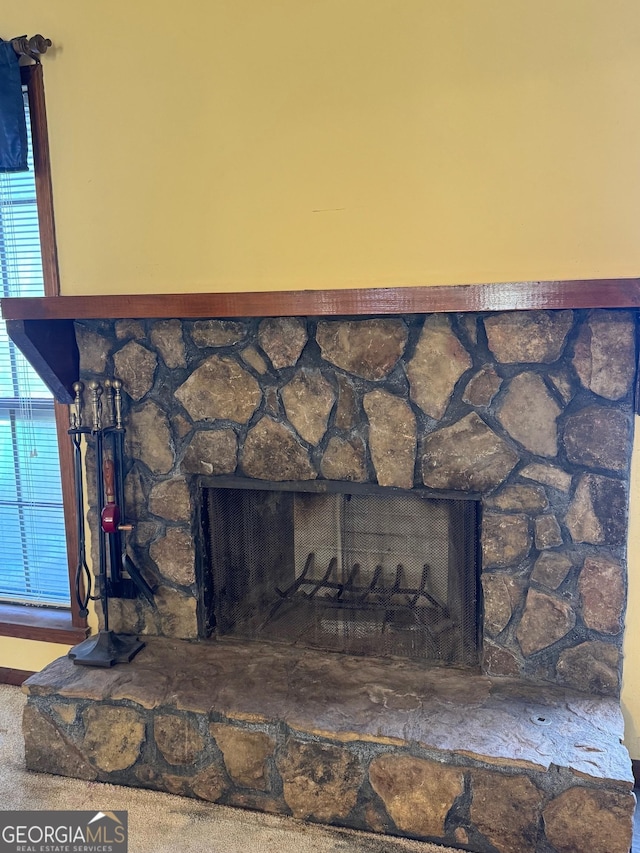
(13, 128)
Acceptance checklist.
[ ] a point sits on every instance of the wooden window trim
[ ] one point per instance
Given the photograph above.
(13, 676)
(48, 624)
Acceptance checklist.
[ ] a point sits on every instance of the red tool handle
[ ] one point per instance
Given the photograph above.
(111, 512)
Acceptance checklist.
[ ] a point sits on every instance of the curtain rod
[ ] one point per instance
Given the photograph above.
(32, 47)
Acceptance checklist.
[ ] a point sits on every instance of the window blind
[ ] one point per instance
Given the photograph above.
(33, 556)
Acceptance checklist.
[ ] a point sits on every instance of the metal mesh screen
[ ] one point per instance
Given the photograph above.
(360, 573)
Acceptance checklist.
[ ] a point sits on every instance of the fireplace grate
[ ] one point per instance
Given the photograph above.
(371, 574)
(391, 603)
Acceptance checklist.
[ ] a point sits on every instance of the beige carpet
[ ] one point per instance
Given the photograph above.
(161, 823)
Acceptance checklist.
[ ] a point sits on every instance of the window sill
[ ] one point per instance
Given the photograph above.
(47, 624)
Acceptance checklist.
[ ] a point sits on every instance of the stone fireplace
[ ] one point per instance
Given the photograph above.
(389, 566)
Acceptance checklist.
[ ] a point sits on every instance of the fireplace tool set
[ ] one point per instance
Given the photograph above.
(118, 576)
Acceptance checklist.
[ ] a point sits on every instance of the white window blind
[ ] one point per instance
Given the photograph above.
(33, 556)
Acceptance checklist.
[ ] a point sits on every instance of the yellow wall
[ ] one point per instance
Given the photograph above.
(31, 655)
(236, 145)
(259, 144)
(28, 654)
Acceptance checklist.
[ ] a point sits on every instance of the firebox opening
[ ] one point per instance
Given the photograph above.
(365, 571)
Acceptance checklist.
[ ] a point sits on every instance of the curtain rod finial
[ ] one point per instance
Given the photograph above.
(32, 47)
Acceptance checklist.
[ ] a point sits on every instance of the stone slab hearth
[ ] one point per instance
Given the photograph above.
(469, 760)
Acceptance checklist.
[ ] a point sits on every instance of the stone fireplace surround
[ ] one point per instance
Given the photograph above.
(532, 411)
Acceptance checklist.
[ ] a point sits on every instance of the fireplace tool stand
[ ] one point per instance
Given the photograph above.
(106, 648)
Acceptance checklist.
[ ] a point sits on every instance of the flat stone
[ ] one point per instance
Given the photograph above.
(497, 603)
(171, 500)
(545, 620)
(135, 365)
(506, 539)
(470, 323)
(135, 495)
(376, 818)
(598, 512)
(551, 569)
(67, 713)
(392, 438)
(217, 333)
(252, 357)
(547, 533)
(518, 498)
(210, 784)
(308, 399)
(283, 339)
(482, 387)
(148, 438)
(562, 382)
(506, 810)
(177, 613)
(581, 519)
(181, 425)
(604, 356)
(549, 475)
(174, 555)
(344, 459)
(346, 416)
(461, 835)
(129, 329)
(171, 783)
(367, 348)
(93, 348)
(500, 661)
(528, 413)
(417, 794)
(48, 750)
(220, 389)
(167, 338)
(124, 617)
(437, 364)
(245, 754)
(599, 438)
(271, 402)
(592, 666)
(605, 822)
(272, 452)
(113, 736)
(319, 781)
(528, 336)
(177, 738)
(467, 456)
(211, 452)
(601, 585)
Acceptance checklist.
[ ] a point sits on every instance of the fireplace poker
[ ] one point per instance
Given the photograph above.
(112, 517)
(96, 406)
(82, 580)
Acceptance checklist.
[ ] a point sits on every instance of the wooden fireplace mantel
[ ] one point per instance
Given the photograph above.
(42, 327)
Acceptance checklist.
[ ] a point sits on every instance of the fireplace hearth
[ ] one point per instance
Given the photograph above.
(526, 417)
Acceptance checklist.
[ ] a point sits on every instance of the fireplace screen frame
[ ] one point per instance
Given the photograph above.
(229, 611)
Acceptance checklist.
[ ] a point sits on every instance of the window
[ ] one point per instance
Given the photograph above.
(34, 554)
(39, 547)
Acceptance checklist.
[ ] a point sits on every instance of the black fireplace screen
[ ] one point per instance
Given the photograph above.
(386, 574)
